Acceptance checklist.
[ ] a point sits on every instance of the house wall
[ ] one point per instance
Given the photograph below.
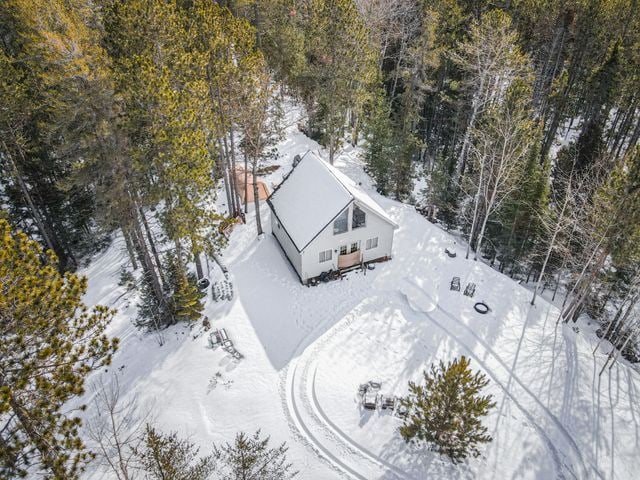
(287, 245)
(326, 240)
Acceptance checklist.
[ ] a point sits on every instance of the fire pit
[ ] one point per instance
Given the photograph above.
(481, 307)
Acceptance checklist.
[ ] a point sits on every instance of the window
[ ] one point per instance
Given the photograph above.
(343, 250)
(359, 217)
(354, 247)
(325, 256)
(372, 243)
(341, 224)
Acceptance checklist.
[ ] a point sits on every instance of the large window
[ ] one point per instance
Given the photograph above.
(372, 243)
(359, 217)
(325, 256)
(341, 224)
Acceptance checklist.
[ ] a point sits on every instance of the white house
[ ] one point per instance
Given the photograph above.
(324, 221)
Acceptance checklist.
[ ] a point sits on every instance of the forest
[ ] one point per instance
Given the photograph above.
(514, 124)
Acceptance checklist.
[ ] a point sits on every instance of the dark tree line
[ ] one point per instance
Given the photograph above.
(521, 116)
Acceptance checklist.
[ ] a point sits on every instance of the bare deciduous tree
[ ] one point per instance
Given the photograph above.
(501, 142)
(116, 428)
(492, 59)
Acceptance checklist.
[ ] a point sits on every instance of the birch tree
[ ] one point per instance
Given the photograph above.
(491, 60)
(610, 229)
(501, 142)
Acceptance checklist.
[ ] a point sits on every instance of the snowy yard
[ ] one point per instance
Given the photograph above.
(306, 350)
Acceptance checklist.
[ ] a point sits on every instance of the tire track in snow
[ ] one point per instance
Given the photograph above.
(345, 437)
(563, 432)
(304, 430)
(297, 384)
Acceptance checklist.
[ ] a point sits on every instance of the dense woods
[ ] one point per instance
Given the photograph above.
(513, 123)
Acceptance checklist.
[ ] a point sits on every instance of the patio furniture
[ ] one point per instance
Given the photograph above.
(388, 402)
(370, 400)
(455, 284)
(470, 289)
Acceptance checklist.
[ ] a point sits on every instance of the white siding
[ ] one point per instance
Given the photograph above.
(375, 227)
(287, 245)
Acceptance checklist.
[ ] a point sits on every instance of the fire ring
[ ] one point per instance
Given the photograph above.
(481, 307)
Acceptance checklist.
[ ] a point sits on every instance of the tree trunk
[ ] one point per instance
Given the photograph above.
(256, 197)
(475, 214)
(238, 202)
(127, 241)
(48, 455)
(225, 179)
(481, 234)
(246, 184)
(475, 110)
(37, 218)
(152, 243)
(196, 258)
(551, 245)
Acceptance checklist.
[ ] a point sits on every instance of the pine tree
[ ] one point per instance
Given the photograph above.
(168, 457)
(154, 313)
(443, 193)
(50, 62)
(50, 342)
(446, 412)
(162, 77)
(379, 149)
(340, 68)
(185, 297)
(280, 36)
(249, 457)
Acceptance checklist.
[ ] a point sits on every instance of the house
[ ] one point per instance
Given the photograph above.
(324, 221)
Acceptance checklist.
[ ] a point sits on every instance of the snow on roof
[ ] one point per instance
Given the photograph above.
(312, 195)
(360, 195)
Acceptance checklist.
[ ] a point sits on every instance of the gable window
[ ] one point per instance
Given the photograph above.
(325, 256)
(372, 243)
(354, 247)
(343, 250)
(341, 224)
(359, 217)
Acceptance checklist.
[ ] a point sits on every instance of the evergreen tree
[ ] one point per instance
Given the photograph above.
(185, 297)
(443, 193)
(249, 458)
(50, 61)
(379, 149)
(446, 412)
(154, 313)
(168, 457)
(162, 77)
(50, 342)
(340, 68)
(279, 35)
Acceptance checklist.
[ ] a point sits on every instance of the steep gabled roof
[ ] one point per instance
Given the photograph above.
(312, 195)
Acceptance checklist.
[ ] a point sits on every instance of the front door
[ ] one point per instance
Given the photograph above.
(350, 255)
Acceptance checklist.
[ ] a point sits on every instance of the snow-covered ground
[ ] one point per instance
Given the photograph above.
(306, 350)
